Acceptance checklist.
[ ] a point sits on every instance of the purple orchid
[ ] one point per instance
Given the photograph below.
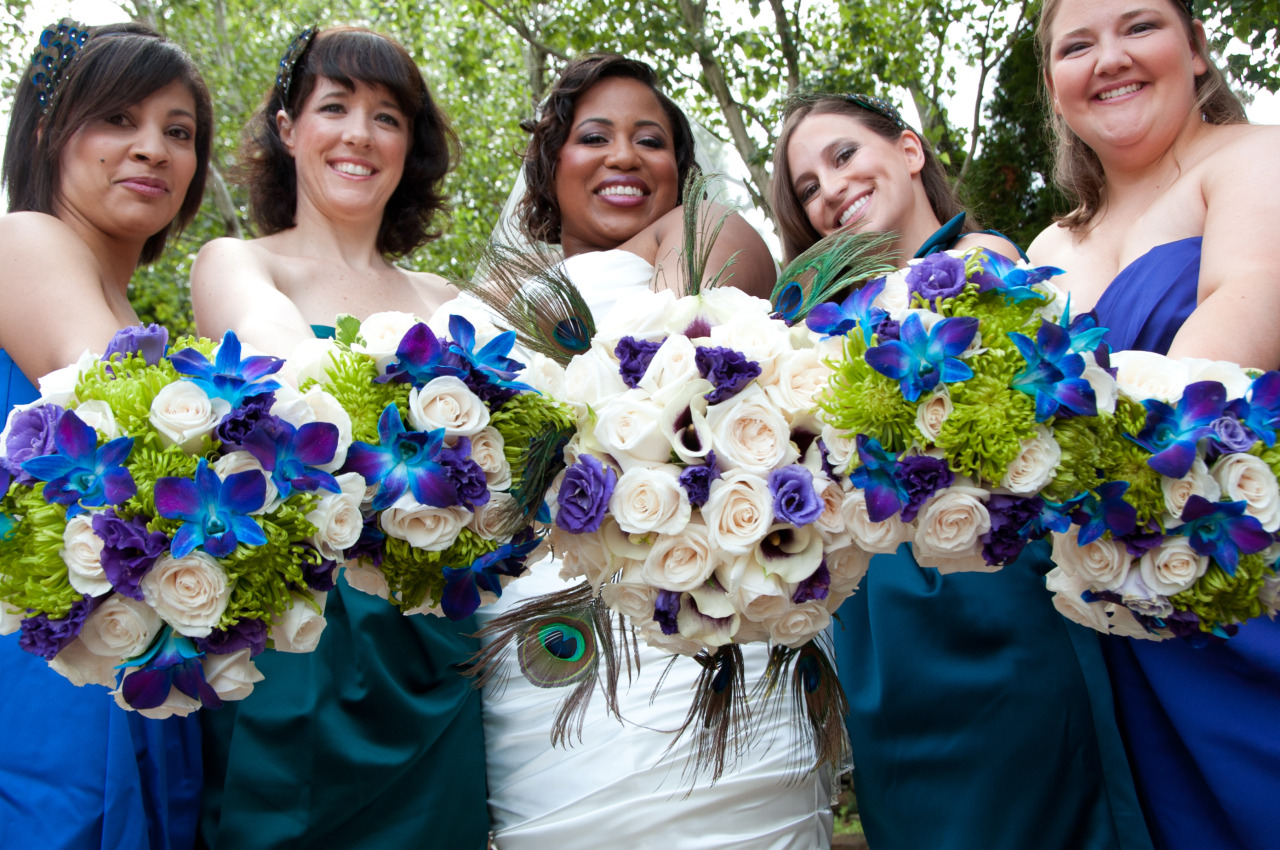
(1264, 407)
(214, 511)
(919, 360)
(405, 460)
(876, 476)
(1222, 530)
(228, 377)
(856, 311)
(79, 474)
(1008, 278)
(1172, 433)
(1104, 509)
(171, 662)
(492, 359)
(461, 596)
(634, 357)
(1083, 330)
(420, 358)
(584, 495)
(291, 455)
(1052, 374)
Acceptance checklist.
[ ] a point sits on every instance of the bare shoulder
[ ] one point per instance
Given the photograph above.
(1054, 244)
(220, 259)
(432, 290)
(33, 236)
(990, 242)
(1243, 153)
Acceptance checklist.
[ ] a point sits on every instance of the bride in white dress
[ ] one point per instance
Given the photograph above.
(604, 171)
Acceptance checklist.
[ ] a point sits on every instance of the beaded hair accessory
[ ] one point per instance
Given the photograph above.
(59, 45)
(289, 61)
(879, 106)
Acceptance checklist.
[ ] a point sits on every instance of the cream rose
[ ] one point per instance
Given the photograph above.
(447, 403)
(176, 704)
(232, 676)
(650, 500)
(738, 512)
(544, 375)
(311, 359)
(798, 625)
(81, 667)
(681, 561)
(492, 520)
(380, 336)
(676, 644)
(895, 298)
(583, 556)
(1172, 567)
(1068, 589)
(871, 536)
(1103, 563)
(1233, 378)
(1246, 478)
(830, 523)
(120, 628)
(81, 551)
(672, 365)
(799, 377)
(1143, 374)
(422, 526)
(630, 595)
(931, 412)
(841, 448)
(848, 565)
(1197, 482)
(1105, 391)
(299, 627)
(488, 451)
(315, 405)
(190, 593)
(337, 517)
(367, 578)
(99, 416)
(242, 461)
(592, 377)
(183, 414)
(757, 337)
(59, 386)
(628, 427)
(749, 433)
(951, 525)
(759, 597)
(1035, 464)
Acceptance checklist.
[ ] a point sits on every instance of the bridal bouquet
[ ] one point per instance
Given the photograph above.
(455, 452)
(962, 386)
(1175, 530)
(170, 518)
(698, 497)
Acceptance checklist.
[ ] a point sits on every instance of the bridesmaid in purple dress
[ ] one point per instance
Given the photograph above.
(1177, 204)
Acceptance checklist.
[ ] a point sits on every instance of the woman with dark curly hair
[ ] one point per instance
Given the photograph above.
(374, 739)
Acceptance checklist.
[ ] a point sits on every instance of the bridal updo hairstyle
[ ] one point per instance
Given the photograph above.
(1076, 168)
(118, 66)
(539, 210)
(795, 230)
(351, 55)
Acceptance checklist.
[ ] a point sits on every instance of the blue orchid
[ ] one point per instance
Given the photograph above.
(1263, 417)
(228, 377)
(885, 494)
(214, 511)
(420, 358)
(1104, 510)
(1014, 282)
(492, 359)
(80, 475)
(1083, 330)
(1171, 433)
(461, 596)
(291, 455)
(173, 661)
(919, 360)
(856, 311)
(1052, 374)
(1053, 516)
(403, 460)
(1222, 530)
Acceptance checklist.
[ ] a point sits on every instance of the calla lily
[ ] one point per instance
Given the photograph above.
(80, 474)
(173, 661)
(214, 511)
(1171, 433)
(918, 360)
(228, 377)
(1222, 530)
(291, 455)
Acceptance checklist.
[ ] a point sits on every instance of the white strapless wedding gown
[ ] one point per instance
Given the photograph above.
(619, 786)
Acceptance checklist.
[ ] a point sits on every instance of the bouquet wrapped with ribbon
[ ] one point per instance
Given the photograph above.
(167, 519)
(456, 452)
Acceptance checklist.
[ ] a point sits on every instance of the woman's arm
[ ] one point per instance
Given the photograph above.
(52, 292)
(232, 289)
(752, 270)
(994, 244)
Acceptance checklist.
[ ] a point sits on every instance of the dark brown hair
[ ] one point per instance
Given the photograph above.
(539, 210)
(1077, 169)
(796, 232)
(119, 66)
(351, 55)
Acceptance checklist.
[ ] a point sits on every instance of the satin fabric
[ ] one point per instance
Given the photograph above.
(76, 771)
(620, 784)
(372, 740)
(980, 718)
(1200, 724)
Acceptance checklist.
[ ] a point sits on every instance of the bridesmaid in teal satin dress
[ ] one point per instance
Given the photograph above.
(374, 739)
(1173, 241)
(99, 173)
(979, 717)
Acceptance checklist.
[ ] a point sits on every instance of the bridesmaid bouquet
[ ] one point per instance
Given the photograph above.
(456, 452)
(1174, 532)
(170, 516)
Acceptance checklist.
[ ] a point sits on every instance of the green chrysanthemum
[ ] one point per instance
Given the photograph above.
(351, 382)
(129, 386)
(416, 576)
(984, 432)
(522, 418)
(263, 576)
(33, 574)
(859, 400)
(1221, 599)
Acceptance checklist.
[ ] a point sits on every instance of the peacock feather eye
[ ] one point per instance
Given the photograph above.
(557, 652)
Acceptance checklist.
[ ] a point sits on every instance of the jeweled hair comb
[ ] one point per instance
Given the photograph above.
(289, 61)
(59, 45)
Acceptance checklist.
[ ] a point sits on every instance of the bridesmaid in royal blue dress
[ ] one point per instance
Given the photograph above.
(979, 717)
(1174, 240)
(374, 739)
(106, 157)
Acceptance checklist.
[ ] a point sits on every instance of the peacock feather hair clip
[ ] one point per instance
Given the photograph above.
(58, 47)
(290, 60)
(835, 263)
(817, 702)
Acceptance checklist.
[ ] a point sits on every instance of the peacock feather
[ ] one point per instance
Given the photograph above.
(703, 219)
(719, 716)
(833, 264)
(819, 701)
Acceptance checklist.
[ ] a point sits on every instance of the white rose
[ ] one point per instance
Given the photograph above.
(367, 578)
(757, 337)
(190, 593)
(681, 561)
(1140, 598)
(59, 386)
(592, 377)
(895, 298)
(1105, 391)
(422, 526)
(99, 416)
(81, 667)
(311, 359)
(242, 461)
(290, 406)
(800, 623)
(183, 414)
(544, 375)
(1172, 567)
(1248, 479)
(1232, 377)
(650, 500)
(749, 433)
(1103, 563)
(871, 536)
(120, 628)
(738, 512)
(760, 597)
(841, 448)
(799, 378)
(492, 520)
(299, 628)
(790, 553)
(628, 427)
(380, 336)
(672, 364)
(1197, 482)
(1142, 374)
(931, 412)
(232, 676)
(447, 403)
(488, 451)
(337, 517)
(1067, 588)
(1035, 464)
(630, 595)
(951, 525)
(176, 704)
(81, 552)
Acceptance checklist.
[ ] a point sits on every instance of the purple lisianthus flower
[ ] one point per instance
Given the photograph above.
(467, 476)
(634, 357)
(795, 501)
(148, 340)
(253, 414)
(1228, 434)
(31, 434)
(320, 575)
(666, 610)
(816, 586)
(584, 495)
(936, 276)
(728, 370)
(249, 633)
(921, 476)
(370, 547)
(889, 329)
(46, 637)
(696, 480)
(1142, 539)
(1010, 518)
(129, 551)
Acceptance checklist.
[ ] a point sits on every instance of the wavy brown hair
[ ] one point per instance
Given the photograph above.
(539, 210)
(1076, 168)
(351, 55)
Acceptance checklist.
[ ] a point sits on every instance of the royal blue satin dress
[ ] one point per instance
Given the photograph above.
(980, 718)
(373, 740)
(1202, 725)
(76, 771)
